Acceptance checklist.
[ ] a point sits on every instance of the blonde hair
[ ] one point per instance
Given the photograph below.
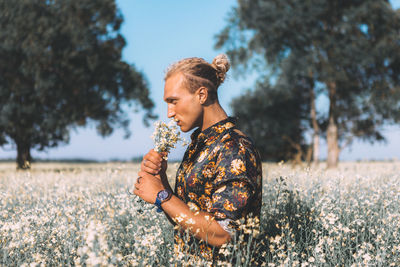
(197, 72)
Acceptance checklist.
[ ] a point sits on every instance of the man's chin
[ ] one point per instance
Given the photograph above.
(184, 129)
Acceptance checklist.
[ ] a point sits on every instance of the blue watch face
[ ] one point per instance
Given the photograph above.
(163, 194)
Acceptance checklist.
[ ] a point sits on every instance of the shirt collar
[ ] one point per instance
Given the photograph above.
(213, 130)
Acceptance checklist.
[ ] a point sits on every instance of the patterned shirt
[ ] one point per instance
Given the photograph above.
(220, 174)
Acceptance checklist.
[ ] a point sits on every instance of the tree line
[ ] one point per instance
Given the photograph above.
(347, 51)
(61, 68)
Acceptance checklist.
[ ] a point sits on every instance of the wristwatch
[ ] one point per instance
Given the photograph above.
(162, 196)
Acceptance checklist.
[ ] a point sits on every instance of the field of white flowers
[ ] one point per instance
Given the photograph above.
(82, 215)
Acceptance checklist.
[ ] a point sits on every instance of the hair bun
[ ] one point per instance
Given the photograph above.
(221, 64)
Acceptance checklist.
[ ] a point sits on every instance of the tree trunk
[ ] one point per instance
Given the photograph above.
(23, 156)
(332, 131)
(296, 160)
(315, 148)
(316, 129)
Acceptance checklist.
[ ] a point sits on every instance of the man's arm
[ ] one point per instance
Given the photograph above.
(201, 224)
(177, 209)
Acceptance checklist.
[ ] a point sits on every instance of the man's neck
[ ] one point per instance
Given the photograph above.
(213, 114)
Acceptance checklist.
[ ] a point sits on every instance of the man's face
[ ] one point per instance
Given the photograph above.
(183, 106)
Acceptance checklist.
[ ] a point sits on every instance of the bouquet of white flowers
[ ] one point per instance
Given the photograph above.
(165, 136)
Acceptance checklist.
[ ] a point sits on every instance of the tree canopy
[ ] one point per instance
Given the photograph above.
(275, 118)
(348, 51)
(60, 68)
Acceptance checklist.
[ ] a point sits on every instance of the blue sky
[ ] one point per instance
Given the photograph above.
(159, 33)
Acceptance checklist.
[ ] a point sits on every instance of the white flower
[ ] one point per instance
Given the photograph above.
(165, 136)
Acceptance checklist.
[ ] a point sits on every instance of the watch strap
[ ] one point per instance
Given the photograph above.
(158, 204)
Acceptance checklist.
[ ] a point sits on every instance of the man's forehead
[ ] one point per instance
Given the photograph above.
(173, 87)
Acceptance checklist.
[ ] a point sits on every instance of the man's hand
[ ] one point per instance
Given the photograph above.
(147, 186)
(153, 163)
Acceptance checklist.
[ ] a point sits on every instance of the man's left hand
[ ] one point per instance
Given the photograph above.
(147, 186)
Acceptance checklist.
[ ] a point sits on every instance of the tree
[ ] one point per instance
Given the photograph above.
(275, 117)
(351, 54)
(60, 68)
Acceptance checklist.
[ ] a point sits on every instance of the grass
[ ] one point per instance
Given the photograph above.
(81, 215)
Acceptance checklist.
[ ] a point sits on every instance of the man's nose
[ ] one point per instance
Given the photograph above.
(171, 112)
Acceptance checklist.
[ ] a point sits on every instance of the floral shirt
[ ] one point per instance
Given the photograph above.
(220, 174)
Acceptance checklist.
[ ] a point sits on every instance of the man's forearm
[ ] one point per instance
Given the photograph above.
(201, 224)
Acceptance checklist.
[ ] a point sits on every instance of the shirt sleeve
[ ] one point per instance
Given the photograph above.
(233, 185)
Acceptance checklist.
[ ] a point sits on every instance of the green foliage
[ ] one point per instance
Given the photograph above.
(273, 118)
(348, 51)
(60, 67)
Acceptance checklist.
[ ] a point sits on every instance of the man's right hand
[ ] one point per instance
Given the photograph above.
(154, 163)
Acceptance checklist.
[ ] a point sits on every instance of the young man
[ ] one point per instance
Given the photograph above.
(220, 179)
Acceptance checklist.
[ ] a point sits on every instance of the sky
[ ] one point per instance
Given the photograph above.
(159, 33)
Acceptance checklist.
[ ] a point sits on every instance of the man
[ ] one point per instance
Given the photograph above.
(219, 180)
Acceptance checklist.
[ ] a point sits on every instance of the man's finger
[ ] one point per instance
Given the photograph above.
(154, 157)
(152, 166)
(143, 174)
(150, 170)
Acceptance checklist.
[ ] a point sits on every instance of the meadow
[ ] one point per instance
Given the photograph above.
(82, 215)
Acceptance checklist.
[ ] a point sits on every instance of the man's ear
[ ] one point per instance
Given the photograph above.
(202, 94)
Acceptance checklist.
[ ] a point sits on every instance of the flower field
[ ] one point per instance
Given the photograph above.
(81, 215)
